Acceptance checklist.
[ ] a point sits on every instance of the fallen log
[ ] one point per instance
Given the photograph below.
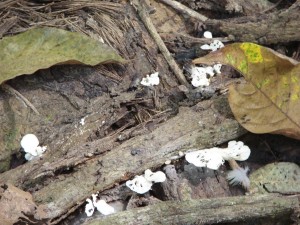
(205, 211)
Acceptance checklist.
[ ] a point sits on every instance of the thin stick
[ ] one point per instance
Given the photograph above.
(140, 7)
(183, 9)
(12, 91)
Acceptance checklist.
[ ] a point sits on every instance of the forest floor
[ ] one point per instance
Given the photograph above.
(102, 127)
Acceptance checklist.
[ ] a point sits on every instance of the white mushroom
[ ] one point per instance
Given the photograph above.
(41, 149)
(150, 80)
(200, 80)
(102, 206)
(89, 207)
(207, 34)
(156, 177)
(237, 151)
(213, 158)
(217, 68)
(139, 184)
(210, 158)
(29, 143)
(214, 46)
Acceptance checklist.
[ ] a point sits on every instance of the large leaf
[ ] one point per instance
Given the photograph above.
(269, 100)
(43, 47)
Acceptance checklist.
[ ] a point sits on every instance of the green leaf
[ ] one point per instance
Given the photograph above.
(41, 48)
(269, 100)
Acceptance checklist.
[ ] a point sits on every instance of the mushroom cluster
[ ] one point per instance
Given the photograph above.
(30, 144)
(100, 205)
(150, 80)
(201, 75)
(214, 46)
(213, 158)
(143, 183)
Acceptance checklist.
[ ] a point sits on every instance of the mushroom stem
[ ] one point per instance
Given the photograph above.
(233, 164)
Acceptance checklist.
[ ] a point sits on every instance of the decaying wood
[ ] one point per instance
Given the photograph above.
(140, 6)
(280, 26)
(205, 211)
(93, 169)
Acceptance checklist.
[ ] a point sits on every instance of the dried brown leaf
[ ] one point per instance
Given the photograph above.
(269, 100)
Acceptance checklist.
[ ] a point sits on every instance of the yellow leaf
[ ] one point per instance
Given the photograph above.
(268, 102)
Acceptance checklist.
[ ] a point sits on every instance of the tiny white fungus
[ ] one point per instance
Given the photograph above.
(156, 177)
(139, 184)
(89, 207)
(237, 151)
(200, 80)
(217, 68)
(82, 122)
(209, 158)
(201, 75)
(30, 144)
(180, 153)
(210, 71)
(215, 45)
(207, 34)
(168, 162)
(213, 158)
(40, 149)
(102, 206)
(150, 80)
(143, 183)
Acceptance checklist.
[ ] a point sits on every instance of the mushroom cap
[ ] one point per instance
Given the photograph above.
(139, 184)
(29, 143)
(150, 80)
(207, 34)
(210, 158)
(103, 207)
(156, 177)
(236, 151)
(89, 207)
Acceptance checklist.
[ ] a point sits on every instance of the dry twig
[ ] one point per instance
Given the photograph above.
(12, 91)
(186, 10)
